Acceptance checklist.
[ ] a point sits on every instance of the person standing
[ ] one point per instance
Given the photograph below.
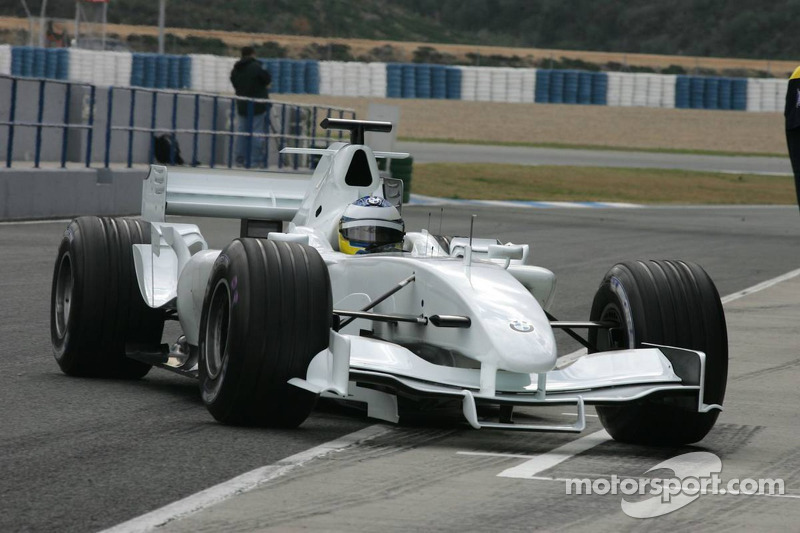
(251, 80)
(792, 115)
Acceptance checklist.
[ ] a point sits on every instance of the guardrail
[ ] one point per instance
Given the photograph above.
(64, 122)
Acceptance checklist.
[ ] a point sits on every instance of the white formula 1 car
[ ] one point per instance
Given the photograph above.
(276, 319)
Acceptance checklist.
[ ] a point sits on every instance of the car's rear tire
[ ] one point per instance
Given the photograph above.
(673, 303)
(267, 312)
(95, 303)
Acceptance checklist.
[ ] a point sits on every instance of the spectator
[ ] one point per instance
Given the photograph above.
(250, 80)
(792, 114)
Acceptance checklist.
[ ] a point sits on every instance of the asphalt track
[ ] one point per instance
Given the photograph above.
(518, 155)
(83, 455)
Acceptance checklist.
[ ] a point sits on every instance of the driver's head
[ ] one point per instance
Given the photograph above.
(369, 225)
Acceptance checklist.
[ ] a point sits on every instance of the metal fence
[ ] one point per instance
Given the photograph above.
(61, 123)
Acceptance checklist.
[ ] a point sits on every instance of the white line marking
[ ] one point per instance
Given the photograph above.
(586, 414)
(492, 454)
(243, 483)
(554, 457)
(761, 286)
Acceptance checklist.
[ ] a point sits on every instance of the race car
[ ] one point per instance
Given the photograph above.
(325, 293)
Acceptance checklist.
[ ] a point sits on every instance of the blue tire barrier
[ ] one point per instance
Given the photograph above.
(62, 64)
(51, 64)
(137, 70)
(599, 88)
(739, 94)
(150, 69)
(312, 77)
(162, 72)
(409, 83)
(438, 81)
(542, 91)
(394, 80)
(454, 83)
(697, 91)
(299, 77)
(422, 75)
(557, 87)
(185, 70)
(173, 72)
(273, 66)
(711, 93)
(725, 94)
(571, 79)
(584, 88)
(682, 88)
(16, 61)
(26, 61)
(39, 69)
(285, 79)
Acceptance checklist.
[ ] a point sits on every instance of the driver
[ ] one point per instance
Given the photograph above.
(371, 225)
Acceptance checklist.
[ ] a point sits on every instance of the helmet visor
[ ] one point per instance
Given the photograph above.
(372, 232)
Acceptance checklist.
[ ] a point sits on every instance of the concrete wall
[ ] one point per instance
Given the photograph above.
(58, 193)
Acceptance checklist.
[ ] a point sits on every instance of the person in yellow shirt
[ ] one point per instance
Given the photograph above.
(792, 114)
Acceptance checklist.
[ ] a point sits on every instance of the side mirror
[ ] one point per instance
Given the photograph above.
(393, 192)
(507, 252)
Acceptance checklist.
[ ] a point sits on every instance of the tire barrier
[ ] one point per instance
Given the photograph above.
(207, 73)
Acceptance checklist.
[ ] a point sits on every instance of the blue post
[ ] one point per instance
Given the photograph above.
(13, 112)
(196, 127)
(90, 133)
(153, 109)
(297, 132)
(283, 133)
(65, 130)
(130, 126)
(109, 115)
(248, 147)
(230, 137)
(174, 127)
(39, 116)
(214, 134)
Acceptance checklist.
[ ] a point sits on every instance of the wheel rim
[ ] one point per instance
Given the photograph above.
(216, 341)
(615, 337)
(63, 303)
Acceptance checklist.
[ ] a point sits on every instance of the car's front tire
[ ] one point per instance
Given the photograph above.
(95, 303)
(267, 312)
(672, 303)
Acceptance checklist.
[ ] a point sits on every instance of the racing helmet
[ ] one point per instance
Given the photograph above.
(370, 225)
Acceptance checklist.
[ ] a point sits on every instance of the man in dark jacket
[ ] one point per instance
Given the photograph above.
(792, 114)
(250, 80)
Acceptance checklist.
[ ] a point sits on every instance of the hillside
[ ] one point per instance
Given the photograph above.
(735, 28)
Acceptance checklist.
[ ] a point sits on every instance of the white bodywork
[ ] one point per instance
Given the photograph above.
(506, 356)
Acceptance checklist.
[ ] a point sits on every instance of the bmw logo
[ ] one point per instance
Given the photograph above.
(521, 326)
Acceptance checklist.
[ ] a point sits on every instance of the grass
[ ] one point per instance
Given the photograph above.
(587, 184)
(567, 146)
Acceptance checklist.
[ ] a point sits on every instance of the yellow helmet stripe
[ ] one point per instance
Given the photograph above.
(796, 74)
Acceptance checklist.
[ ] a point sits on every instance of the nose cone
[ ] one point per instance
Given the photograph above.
(518, 331)
(523, 343)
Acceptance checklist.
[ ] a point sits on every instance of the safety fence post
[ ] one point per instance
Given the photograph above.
(131, 122)
(109, 117)
(12, 116)
(65, 129)
(39, 116)
(214, 132)
(90, 132)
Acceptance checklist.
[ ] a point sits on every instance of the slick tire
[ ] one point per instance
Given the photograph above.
(95, 304)
(672, 303)
(267, 312)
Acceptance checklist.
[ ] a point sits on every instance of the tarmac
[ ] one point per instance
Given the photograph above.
(410, 478)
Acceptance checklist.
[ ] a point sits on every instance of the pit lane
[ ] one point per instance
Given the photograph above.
(88, 454)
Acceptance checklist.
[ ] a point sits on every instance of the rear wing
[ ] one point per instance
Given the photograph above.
(222, 193)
